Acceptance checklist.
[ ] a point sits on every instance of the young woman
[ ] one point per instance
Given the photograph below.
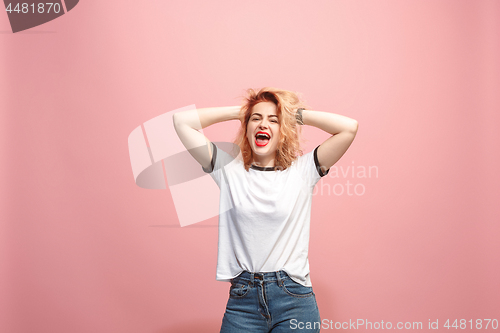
(265, 205)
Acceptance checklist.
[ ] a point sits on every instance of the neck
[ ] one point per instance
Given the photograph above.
(266, 161)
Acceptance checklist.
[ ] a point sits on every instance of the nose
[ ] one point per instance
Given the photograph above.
(263, 123)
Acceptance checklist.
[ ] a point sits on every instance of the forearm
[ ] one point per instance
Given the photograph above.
(201, 118)
(329, 122)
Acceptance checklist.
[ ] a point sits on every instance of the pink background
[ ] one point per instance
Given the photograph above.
(84, 249)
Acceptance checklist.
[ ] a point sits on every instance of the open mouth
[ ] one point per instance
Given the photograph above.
(262, 139)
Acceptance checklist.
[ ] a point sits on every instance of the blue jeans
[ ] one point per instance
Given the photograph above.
(270, 302)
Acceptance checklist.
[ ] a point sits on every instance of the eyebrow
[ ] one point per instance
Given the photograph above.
(258, 114)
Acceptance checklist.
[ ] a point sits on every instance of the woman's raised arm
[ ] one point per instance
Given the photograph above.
(342, 129)
(188, 123)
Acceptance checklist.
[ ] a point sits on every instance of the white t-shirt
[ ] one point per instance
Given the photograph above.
(264, 215)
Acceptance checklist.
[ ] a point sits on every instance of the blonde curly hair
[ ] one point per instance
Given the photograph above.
(287, 103)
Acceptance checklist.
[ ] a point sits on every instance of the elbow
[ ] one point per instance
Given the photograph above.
(353, 128)
(176, 120)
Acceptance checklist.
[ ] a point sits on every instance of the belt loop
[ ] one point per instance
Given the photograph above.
(278, 277)
(251, 278)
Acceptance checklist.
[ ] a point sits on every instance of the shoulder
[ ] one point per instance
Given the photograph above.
(223, 154)
(309, 162)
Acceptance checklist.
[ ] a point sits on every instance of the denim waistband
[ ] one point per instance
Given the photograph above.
(262, 276)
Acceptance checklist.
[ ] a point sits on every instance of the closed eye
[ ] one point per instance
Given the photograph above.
(273, 121)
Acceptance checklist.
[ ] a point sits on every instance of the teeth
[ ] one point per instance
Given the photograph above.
(263, 135)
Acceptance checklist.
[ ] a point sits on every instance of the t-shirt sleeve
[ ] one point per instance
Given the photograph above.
(219, 160)
(309, 168)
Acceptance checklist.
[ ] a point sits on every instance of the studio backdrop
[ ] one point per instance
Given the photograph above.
(404, 228)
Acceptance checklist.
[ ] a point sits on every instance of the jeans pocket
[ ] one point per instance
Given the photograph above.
(295, 289)
(238, 290)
